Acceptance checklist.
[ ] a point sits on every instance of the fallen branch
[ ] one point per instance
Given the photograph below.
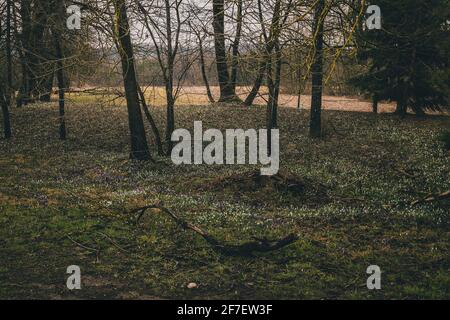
(92, 91)
(404, 172)
(96, 251)
(246, 249)
(112, 241)
(349, 199)
(432, 198)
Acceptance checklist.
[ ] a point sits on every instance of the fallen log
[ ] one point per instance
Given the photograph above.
(246, 249)
(93, 91)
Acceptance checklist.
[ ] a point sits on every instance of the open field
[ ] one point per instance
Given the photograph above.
(64, 203)
(194, 95)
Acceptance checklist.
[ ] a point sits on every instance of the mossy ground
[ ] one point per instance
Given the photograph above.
(64, 203)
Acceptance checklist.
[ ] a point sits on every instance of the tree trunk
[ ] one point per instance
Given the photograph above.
(39, 67)
(34, 20)
(36, 56)
(139, 146)
(170, 118)
(375, 104)
(203, 70)
(6, 91)
(402, 105)
(419, 112)
(271, 40)
(24, 96)
(257, 85)
(20, 100)
(150, 119)
(47, 86)
(235, 49)
(60, 78)
(274, 82)
(315, 125)
(401, 108)
(171, 53)
(227, 93)
(5, 112)
(300, 82)
(9, 91)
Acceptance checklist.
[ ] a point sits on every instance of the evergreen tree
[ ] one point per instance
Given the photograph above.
(408, 59)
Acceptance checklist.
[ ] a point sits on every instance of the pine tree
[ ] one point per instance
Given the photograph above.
(408, 59)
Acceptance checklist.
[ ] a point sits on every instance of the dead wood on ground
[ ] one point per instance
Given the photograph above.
(246, 249)
(432, 198)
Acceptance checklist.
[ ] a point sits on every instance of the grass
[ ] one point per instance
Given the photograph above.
(64, 203)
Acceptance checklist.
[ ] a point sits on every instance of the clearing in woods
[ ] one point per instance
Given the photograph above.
(348, 196)
(195, 95)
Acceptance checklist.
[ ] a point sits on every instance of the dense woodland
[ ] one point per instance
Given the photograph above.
(85, 155)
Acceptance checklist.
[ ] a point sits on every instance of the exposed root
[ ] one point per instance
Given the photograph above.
(246, 249)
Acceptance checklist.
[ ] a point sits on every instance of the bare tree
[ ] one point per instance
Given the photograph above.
(59, 55)
(5, 112)
(201, 33)
(37, 46)
(271, 40)
(203, 68)
(235, 44)
(139, 146)
(315, 126)
(6, 91)
(164, 20)
(227, 89)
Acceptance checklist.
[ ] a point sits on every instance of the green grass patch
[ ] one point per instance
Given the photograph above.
(64, 203)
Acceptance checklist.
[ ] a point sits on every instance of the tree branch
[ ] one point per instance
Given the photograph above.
(246, 249)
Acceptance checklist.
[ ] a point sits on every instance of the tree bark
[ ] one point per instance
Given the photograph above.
(39, 55)
(274, 82)
(203, 70)
(25, 38)
(46, 86)
(375, 103)
(270, 41)
(257, 85)
(5, 113)
(150, 119)
(171, 54)
(227, 93)
(6, 92)
(235, 47)
(8, 51)
(60, 78)
(402, 105)
(401, 108)
(315, 125)
(59, 55)
(139, 146)
(19, 48)
(300, 82)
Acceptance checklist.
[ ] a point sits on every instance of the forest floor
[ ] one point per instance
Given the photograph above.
(68, 203)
